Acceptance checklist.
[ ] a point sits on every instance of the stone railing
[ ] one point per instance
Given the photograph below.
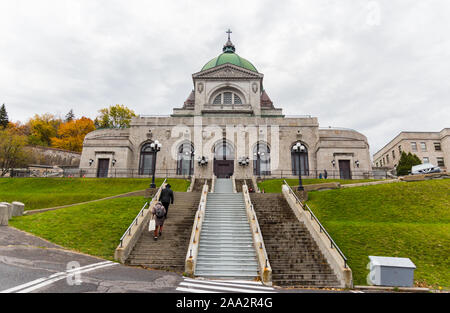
(192, 253)
(213, 182)
(265, 269)
(191, 186)
(233, 181)
(134, 231)
(331, 252)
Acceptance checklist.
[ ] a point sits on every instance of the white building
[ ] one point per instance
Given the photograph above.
(227, 118)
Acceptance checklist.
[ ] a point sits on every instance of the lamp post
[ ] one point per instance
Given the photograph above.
(155, 147)
(299, 149)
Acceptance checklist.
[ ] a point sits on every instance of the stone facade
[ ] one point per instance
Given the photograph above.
(430, 147)
(54, 157)
(227, 117)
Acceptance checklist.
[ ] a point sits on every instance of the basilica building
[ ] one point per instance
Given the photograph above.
(228, 126)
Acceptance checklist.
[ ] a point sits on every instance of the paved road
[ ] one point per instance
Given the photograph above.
(30, 264)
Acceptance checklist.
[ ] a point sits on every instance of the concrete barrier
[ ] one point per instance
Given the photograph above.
(342, 271)
(265, 269)
(10, 209)
(192, 253)
(18, 208)
(4, 214)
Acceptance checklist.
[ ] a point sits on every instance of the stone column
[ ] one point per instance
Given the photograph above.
(18, 208)
(4, 215)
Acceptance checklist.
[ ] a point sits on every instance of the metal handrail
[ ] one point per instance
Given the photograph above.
(141, 213)
(313, 217)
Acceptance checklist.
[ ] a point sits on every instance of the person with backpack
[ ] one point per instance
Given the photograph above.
(166, 198)
(158, 212)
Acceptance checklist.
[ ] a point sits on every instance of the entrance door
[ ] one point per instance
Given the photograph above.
(223, 168)
(344, 169)
(223, 159)
(103, 166)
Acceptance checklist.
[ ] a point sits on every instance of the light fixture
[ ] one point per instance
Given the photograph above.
(244, 161)
(298, 147)
(333, 162)
(90, 162)
(113, 162)
(202, 161)
(357, 163)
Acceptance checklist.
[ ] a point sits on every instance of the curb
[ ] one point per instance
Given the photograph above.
(400, 289)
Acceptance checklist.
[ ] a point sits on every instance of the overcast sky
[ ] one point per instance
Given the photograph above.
(379, 67)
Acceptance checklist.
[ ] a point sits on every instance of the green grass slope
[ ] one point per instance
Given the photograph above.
(399, 220)
(274, 185)
(38, 193)
(92, 228)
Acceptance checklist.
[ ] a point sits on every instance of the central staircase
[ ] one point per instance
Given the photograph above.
(226, 245)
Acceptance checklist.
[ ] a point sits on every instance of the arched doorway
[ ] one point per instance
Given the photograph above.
(185, 159)
(146, 160)
(223, 159)
(300, 162)
(261, 159)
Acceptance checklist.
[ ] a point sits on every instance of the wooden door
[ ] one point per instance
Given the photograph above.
(223, 168)
(344, 169)
(103, 166)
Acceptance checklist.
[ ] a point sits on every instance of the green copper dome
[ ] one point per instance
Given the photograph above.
(229, 56)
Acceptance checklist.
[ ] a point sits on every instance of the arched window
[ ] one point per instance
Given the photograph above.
(300, 161)
(146, 160)
(261, 159)
(227, 98)
(223, 151)
(185, 159)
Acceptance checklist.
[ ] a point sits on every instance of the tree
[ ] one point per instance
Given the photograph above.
(3, 117)
(12, 152)
(406, 162)
(71, 134)
(42, 129)
(70, 116)
(116, 116)
(19, 128)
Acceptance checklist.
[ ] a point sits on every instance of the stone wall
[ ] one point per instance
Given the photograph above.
(52, 156)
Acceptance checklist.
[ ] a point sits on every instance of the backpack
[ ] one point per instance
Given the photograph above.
(159, 210)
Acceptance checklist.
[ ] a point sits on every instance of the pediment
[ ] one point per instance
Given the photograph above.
(227, 71)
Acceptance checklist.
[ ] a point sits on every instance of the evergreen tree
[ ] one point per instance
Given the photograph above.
(70, 116)
(406, 162)
(3, 117)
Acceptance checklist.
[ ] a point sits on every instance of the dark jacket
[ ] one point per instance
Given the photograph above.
(166, 195)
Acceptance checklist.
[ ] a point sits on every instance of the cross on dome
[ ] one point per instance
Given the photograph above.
(229, 47)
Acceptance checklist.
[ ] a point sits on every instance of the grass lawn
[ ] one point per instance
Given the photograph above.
(93, 228)
(274, 185)
(399, 220)
(39, 193)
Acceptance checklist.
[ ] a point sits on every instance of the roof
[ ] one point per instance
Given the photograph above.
(392, 262)
(232, 58)
(229, 56)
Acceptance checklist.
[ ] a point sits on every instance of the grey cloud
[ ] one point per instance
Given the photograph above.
(368, 65)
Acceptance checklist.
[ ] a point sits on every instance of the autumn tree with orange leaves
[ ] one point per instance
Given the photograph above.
(71, 134)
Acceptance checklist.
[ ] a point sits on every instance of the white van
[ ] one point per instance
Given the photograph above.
(425, 169)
